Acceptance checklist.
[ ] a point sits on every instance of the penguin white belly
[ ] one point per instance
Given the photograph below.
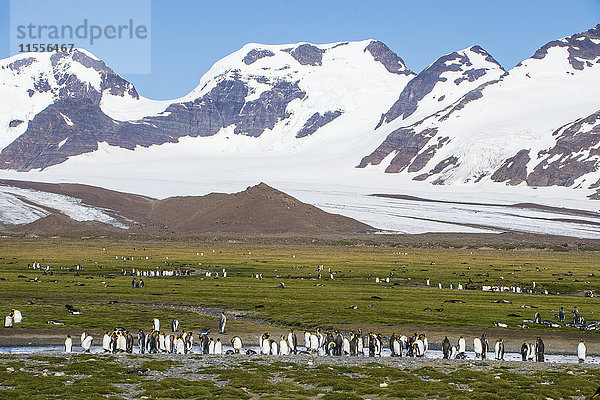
(168, 344)
(218, 348)
(581, 351)
(314, 343)
(87, 343)
(274, 349)
(453, 352)
(211, 347)
(420, 347)
(462, 346)
(106, 343)
(8, 321)
(283, 348)
(180, 346)
(237, 343)
(83, 336)
(307, 340)
(68, 345)
(346, 346)
(122, 343)
(17, 317)
(156, 324)
(425, 345)
(266, 347)
(477, 347)
(290, 342)
(397, 349)
(161, 342)
(497, 350)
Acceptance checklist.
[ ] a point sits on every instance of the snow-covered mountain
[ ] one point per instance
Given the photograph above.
(330, 124)
(537, 124)
(77, 102)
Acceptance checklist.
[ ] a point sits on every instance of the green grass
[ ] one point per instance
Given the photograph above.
(306, 301)
(101, 377)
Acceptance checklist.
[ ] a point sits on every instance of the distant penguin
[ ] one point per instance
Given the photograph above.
(345, 347)
(485, 346)
(180, 345)
(419, 348)
(477, 348)
(283, 346)
(314, 343)
(129, 342)
(237, 344)
(17, 316)
(524, 351)
(142, 341)
(121, 342)
(561, 315)
(307, 340)
(161, 342)
(537, 318)
(156, 324)
(292, 342)
(265, 346)
(68, 344)
(175, 325)
(499, 350)
(453, 352)
(106, 342)
(339, 344)
(218, 347)
(360, 345)
(8, 321)
(84, 334)
(462, 345)
(222, 323)
(539, 350)
(425, 343)
(581, 351)
(169, 348)
(446, 347)
(87, 343)
(211, 346)
(274, 348)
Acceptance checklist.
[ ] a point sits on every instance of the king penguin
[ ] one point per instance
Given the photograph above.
(222, 323)
(237, 344)
(106, 342)
(499, 349)
(68, 344)
(87, 343)
(218, 347)
(292, 342)
(477, 348)
(283, 347)
(581, 351)
(156, 324)
(17, 316)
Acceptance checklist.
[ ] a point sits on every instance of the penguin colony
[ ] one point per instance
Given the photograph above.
(315, 343)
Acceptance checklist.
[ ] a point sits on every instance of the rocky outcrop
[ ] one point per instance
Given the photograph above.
(316, 121)
(257, 54)
(388, 58)
(581, 47)
(514, 170)
(307, 54)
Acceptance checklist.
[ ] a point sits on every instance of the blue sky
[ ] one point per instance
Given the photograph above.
(189, 36)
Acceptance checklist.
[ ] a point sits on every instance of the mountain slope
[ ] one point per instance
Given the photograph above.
(295, 89)
(523, 127)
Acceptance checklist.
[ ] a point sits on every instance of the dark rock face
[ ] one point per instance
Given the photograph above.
(579, 46)
(406, 142)
(582, 136)
(22, 63)
(223, 106)
(15, 123)
(514, 170)
(425, 82)
(388, 58)
(307, 54)
(316, 121)
(573, 156)
(256, 54)
(442, 165)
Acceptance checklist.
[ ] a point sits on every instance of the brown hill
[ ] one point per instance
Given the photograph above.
(259, 209)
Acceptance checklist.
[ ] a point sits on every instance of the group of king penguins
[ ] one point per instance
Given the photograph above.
(317, 342)
(14, 317)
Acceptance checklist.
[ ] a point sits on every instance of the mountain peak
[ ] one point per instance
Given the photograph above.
(583, 49)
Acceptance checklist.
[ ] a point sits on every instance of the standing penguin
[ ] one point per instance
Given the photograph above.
(477, 348)
(274, 348)
(307, 340)
(179, 345)
(524, 351)
(17, 316)
(561, 315)
(539, 350)
(237, 344)
(87, 343)
(211, 346)
(129, 342)
(84, 334)
(537, 318)
(265, 346)
(106, 342)
(446, 347)
(339, 344)
(485, 346)
(419, 348)
(314, 343)
(175, 325)
(218, 347)
(222, 323)
(292, 342)
(462, 347)
(156, 324)
(142, 341)
(499, 349)
(581, 351)
(283, 347)
(68, 344)
(575, 316)
(8, 321)
(346, 347)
